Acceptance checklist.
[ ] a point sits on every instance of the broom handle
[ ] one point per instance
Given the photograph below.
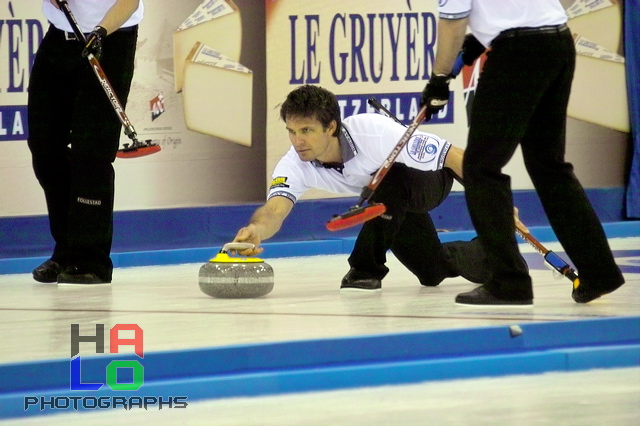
(102, 77)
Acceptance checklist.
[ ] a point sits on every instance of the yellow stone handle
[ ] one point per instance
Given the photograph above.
(237, 246)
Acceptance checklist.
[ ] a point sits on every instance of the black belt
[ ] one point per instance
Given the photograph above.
(527, 31)
(72, 36)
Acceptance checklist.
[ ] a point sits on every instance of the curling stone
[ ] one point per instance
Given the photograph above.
(229, 277)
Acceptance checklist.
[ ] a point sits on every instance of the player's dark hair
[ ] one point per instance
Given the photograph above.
(310, 101)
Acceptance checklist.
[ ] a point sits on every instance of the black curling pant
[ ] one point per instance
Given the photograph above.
(522, 98)
(408, 231)
(74, 135)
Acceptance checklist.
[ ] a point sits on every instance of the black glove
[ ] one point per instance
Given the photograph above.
(436, 93)
(94, 43)
(471, 49)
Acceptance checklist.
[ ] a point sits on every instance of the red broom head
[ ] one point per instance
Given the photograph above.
(138, 152)
(355, 217)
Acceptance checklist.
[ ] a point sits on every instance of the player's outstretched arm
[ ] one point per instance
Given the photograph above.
(264, 224)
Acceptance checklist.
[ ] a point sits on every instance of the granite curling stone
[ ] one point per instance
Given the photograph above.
(228, 277)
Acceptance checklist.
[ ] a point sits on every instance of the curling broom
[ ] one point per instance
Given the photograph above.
(136, 148)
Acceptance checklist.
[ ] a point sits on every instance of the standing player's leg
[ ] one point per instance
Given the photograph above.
(94, 143)
(570, 213)
(503, 104)
(52, 91)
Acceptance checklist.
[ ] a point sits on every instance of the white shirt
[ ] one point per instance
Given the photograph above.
(88, 14)
(488, 18)
(366, 141)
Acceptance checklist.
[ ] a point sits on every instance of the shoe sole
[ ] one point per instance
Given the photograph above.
(582, 299)
(505, 305)
(81, 279)
(46, 281)
(359, 290)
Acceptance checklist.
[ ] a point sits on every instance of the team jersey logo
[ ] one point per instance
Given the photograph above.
(279, 182)
(422, 148)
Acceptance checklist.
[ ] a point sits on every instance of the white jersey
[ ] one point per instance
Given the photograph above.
(88, 13)
(488, 18)
(366, 141)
